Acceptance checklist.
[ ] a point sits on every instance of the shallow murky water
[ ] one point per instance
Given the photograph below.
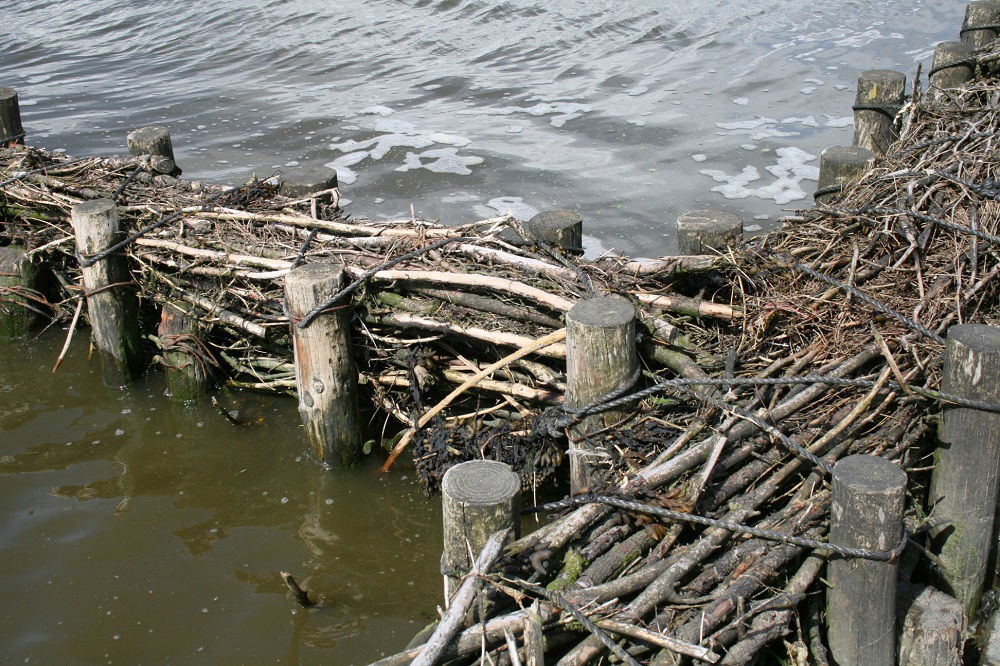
(134, 531)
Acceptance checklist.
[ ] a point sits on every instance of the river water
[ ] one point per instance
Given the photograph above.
(133, 531)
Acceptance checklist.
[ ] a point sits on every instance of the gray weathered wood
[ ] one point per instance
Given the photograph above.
(112, 306)
(953, 65)
(875, 128)
(187, 368)
(838, 165)
(600, 358)
(932, 629)
(534, 638)
(707, 231)
(325, 373)
(991, 652)
(301, 182)
(967, 463)
(982, 23)
(866, 512)
(562, 228)
(478, 498)
(11, 130)
(18, 279)
(154, 141)
(462, 601)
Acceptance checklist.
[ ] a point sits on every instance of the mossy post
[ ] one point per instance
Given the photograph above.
(478, 498)
(707, 231)
(155, 142)
(878, 100)
(839, 165)
(954, 65)
(303, 182)
(561, 228)
(112, 307)
(967, 463)
(866, 511)
(185, 357)
(19, 313)
(11, 130)
(982, 23)
(325, 374)
(600, 358)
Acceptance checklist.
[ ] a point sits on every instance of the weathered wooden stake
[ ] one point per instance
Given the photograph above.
(933, 629)
(866, 512)
(301, 182)
(878, 100)
(600, 357)
(562, 228)
(324, 366)
(707, 231)
(11, 130)
(478, 498)
(953, 65)
(111, 301)
(18, 279)
(839, 165)
(185, 357)
(982, 23)
(154, 141)
(967, 464)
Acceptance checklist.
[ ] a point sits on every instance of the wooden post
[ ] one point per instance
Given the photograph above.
(185, 357)
(600, 357)
(964, 484)
(838, 165)
(302, 182)
(111, 302)
(707, 231)
(154, 141)
(878, 100)
(562, 228)
(324, 367)
(991, 651)
(982, 23)
(933, 631)
(478, 498)
(18, 279)
(866, 512)
(534, 637)
(11, 130)
(953, 65)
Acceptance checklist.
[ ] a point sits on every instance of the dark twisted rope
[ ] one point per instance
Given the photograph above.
(970, 63)
(887, 110)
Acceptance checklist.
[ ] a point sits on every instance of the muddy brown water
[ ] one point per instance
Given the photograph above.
(133, 531)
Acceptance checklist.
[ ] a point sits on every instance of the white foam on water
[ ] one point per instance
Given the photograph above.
(449, 139)
(842, 121)
(393, 125)
(808, 121)
(377, 110)
(808, 90)
(636, 122)
(346, 175)
(752, 227)
(514, 129)
(789, 171)
(460, 197)
(502, 205)
(561, 111)
(748, 146)
(741, 101)
(815, 82)
(638, 90)
(442, 160)
(699, 157)
(593, 247)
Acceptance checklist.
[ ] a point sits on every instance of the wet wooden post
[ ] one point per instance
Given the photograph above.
(878, 100)
(982, 23)
(967, 463)
(838, 165)
(154, 141)
(866, 511)
(954, 65)
(302, 182)
(478, 498)
(184, 355)
(561, 228)
(600, 358)
(112, 306)
(18, 282)
(707, 231)
(324, 366)
(11, 130)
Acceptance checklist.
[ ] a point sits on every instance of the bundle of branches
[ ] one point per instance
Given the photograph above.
(839, 353)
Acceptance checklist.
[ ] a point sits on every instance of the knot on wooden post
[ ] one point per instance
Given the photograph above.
(562, 228)
(878, 100)
(11, 130)
(838, 165)
(154, 141)
(707, 231)
(325, 374)
(866, 511)
(478, 498)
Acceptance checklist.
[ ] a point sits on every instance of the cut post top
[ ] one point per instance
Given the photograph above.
(311, 284)
(480, 482)
(869, 474)
(94, 207)
(981, 338)
(153, 140)
(847, 155)
(701, 231)
(305, 181)
(6, 94)
(602, 312)
(11, 130)
(560, 227)
(880, 85)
